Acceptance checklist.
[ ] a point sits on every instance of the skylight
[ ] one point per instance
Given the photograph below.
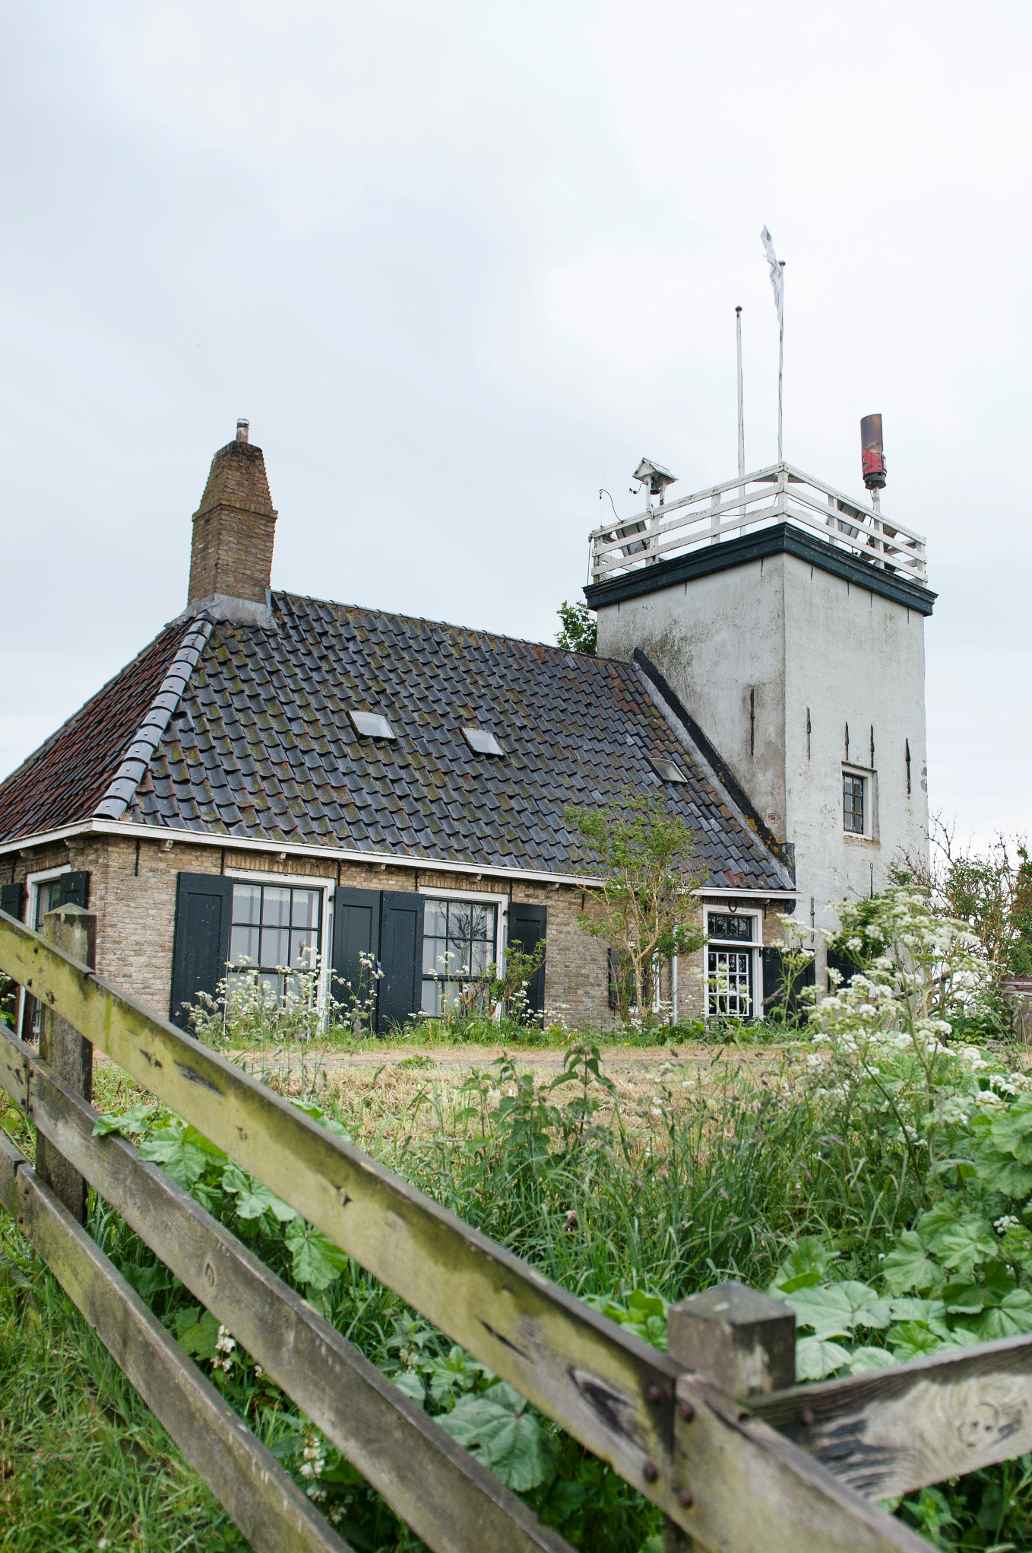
(482, 742)
(667, 769)
(371, 725)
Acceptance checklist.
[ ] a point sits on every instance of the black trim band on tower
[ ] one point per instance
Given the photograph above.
(781, 539)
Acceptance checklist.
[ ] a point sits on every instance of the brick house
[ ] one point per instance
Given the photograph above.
(275, 774)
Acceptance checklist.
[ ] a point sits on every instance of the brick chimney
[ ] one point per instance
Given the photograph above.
(233, 532)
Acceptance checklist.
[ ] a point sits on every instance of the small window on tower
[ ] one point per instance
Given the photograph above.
(854, 802)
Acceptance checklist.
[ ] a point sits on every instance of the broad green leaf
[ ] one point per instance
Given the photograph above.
(499, 1430)
(125, 1122)
(1011, 1132)
(926, 1311)
(235, 1180)
(912, 1339)
(199, 1141)
(817, 1358)
(256, 1200)
(908, 1266)
(834, 1309)
(1010, 1317)
(805, 1266)
(409, 1382)
(870, 1359)
(197, 1331)
(962, 1243)
(315, 1260)
(183, 1161)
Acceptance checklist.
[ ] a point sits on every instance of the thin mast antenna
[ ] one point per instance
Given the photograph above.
(741, 394)
(781, 363)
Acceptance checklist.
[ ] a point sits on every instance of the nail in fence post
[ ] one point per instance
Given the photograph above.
(739, 1340)
(67, 1053)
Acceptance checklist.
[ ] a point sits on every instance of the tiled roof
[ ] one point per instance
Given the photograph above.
(259, 744)
(67, 778)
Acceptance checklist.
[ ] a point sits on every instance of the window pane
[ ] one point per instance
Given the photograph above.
(721, 925)
(304, 911)
(456, 957)
(275, 946)
(270, 985)
(481, 924)
(304, 949)
(247, 902)
(433, 955)
(481, 955)
(435, 921)
(275, 906)
(243, 944)
(431, 1003)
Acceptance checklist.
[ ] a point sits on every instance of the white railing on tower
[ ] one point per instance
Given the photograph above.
(778, 494)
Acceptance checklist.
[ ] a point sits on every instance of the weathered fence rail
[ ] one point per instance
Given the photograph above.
(713, 1433)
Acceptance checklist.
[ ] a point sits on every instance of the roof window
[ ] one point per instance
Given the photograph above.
(371, 725)
(667, 769)
(482, 742)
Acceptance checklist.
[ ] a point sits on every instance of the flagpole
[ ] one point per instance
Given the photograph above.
(741, 394)
(781, 363)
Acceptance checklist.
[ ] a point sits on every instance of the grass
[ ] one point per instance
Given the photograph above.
(669, 1175)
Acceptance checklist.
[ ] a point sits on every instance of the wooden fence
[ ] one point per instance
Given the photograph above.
(714, 1432)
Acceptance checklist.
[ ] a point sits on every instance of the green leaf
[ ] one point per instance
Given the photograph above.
(500, 1431)
(1011, 1133)
(816, 1358)
(125, 1122)
(409, 1382)
(806, 1265)
(315, 1260)
(1010, 1317)
(183, 1161)
(908, 1266)
(961, 1241)
(256, 1200)
(912, 1339)
(834, 1309)
(197, 1331)
(870, 1359)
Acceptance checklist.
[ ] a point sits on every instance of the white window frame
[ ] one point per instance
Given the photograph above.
(32, 883)
(754, 948)
(477, 898)
(869, 777)
(301, 882)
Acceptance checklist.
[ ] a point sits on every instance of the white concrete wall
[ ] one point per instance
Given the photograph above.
(716, 640)
(852, 657)
(796, 639)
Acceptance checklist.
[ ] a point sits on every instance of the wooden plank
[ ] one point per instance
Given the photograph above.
(606, 1387)
(891, 1431)
(749, 1490)
(14, 1068)
(270, 1510)
(74, 931)
(446, 1497)
(737, 1339)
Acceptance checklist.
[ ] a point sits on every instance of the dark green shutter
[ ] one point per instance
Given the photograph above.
(356, 931)
(401, 957)
(201, 945)
(527, 928)
(12, 897)
(72, 890)
(774, 986)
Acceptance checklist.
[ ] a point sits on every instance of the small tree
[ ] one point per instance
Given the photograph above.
(579, 630)
(989, 891)
(644, 908)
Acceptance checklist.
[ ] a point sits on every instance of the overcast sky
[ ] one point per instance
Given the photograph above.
(463, 264)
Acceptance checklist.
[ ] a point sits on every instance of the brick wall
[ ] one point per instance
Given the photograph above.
(133, 893)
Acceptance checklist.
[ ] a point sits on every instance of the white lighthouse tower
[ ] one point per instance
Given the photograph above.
(788, 619)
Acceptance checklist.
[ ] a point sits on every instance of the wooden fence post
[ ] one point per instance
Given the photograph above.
(739, 1340)
(68, 1054)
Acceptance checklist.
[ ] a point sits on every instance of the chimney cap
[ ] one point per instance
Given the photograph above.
(243, 428)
